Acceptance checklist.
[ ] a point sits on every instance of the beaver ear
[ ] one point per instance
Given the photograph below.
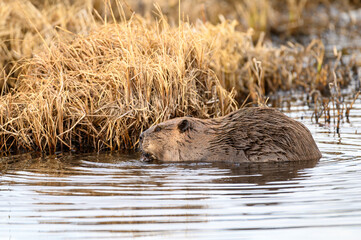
(183, 125)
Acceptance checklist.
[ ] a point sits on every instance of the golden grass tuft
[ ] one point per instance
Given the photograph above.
(99, 91)
(26, 26)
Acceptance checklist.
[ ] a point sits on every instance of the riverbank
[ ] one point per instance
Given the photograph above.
(90, 83)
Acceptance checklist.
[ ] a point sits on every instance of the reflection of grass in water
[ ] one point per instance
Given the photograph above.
(55, 165)
(99, 90)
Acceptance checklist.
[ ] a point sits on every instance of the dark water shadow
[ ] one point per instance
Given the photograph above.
(70, 164)
(255, 173)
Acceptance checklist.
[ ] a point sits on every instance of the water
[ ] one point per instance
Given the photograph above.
(113, 196)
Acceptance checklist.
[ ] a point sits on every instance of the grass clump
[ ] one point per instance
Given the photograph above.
(99, 91)
(25, 26)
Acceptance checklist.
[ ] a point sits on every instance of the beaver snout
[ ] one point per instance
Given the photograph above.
(147, 157)
(140, 143)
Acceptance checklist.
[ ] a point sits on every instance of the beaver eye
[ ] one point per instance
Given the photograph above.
(157, 129)
(184, 125)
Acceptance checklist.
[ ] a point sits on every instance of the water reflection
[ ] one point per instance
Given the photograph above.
(263, 173)
(119, 190)
(129, 166)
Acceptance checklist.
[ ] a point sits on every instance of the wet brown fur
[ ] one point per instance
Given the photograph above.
(246, 135)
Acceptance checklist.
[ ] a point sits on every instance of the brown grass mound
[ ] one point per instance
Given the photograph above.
(99, 91)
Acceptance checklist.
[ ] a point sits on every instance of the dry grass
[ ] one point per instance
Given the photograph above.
(85, 83)
(26, 26)
(334, 107)
(99, 91)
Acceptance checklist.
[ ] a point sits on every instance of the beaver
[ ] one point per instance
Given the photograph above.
(256, 134)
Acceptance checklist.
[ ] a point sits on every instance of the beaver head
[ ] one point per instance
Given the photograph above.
(173, 140)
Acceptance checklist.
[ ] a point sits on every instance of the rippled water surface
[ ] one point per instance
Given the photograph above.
(117, 196)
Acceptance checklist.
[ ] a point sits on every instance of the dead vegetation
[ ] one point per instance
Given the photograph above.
(87, 77)
(99, 91)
